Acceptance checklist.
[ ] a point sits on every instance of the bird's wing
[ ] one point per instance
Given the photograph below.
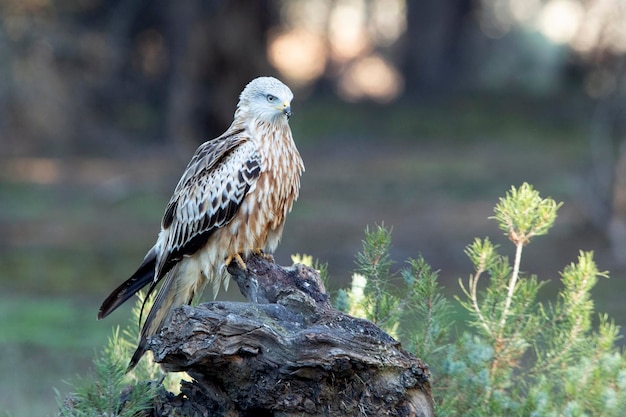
(207, 197)
(218, 177)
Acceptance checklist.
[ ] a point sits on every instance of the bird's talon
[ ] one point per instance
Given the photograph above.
(237, 258)
(267, 256)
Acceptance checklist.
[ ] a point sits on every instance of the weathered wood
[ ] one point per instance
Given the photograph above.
(287, 353)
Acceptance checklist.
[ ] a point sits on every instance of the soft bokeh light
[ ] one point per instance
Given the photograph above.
(299, 54)
(346, 30)
(559, 20)
(372, 78)
(305, 14)
(584, 26)
(524, 10)
(603, 28)
(388, 21)
(343, 37)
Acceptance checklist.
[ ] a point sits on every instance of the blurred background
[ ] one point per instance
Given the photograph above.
(417, 115)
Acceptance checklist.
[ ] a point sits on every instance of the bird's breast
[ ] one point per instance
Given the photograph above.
(267, 205)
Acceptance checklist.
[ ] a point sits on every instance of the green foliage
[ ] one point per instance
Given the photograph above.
(517, 356)
(376, 300)
(103, 394)
(428, 311)
(408, 304)
(110, 391)
(523, 214)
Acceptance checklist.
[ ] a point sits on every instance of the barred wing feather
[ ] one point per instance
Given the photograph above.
(207, 197)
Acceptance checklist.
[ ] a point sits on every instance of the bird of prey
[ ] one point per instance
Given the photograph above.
(231, 201)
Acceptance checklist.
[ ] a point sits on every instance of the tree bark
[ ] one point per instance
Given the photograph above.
(286, 353)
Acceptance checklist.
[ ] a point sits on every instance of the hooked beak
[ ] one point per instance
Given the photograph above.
(287, 110)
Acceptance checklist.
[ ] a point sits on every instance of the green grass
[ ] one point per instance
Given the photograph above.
(68, 270)
(44, 342)
(55, 323)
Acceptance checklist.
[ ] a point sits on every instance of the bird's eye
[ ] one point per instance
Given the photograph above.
(271, 98)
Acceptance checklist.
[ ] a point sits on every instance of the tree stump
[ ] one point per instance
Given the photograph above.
(287, 353)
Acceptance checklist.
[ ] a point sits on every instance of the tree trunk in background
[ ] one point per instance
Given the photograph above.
(180, 94)
(216, 49)
(604, 198)
(432, 44)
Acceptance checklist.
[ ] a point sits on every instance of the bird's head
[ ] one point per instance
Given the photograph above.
(267, 99)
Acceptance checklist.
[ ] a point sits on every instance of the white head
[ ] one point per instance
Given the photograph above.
(267, 99)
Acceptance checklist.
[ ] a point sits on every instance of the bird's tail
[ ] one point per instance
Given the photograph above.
(143, 276)
(180, 286)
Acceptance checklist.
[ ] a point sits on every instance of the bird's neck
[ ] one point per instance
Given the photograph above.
(259, 127)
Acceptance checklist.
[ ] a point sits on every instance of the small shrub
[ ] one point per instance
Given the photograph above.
(517, 356)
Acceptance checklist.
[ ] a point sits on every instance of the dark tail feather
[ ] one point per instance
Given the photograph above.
(160, 311)
(143, 276)
(174, 292)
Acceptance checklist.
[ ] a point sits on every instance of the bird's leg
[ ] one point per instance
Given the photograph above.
(266, 256)
(237, 258)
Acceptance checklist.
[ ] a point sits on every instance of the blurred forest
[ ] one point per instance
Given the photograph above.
(415, 114)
